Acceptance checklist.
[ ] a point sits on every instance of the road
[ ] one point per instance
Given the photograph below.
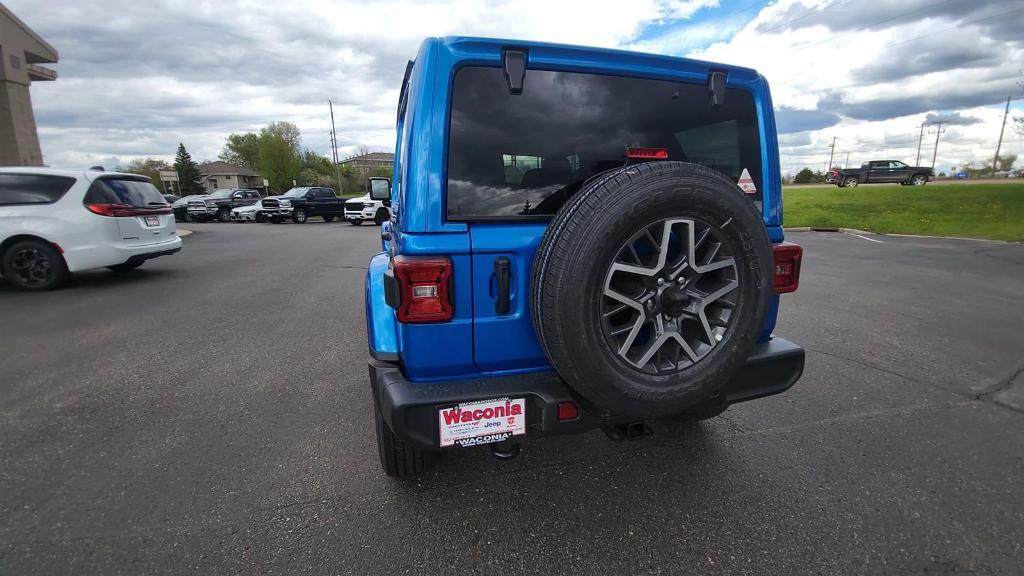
(210, 414)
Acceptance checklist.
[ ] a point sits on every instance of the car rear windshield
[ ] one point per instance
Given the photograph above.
(522, 156)
(33, 188)
(134, 193)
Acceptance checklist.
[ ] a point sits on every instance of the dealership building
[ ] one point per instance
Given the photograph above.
(21, 53)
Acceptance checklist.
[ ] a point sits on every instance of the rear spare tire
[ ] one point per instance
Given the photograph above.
(650, 288)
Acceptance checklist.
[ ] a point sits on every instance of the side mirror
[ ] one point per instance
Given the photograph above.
(380, 190)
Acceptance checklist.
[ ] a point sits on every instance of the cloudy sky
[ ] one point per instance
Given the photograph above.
(138, 77)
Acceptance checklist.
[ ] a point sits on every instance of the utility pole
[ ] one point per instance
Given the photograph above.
(1002, 127)
(919, 138)
(831, 152)
(938, 131)
(847, 163)
(334, 148)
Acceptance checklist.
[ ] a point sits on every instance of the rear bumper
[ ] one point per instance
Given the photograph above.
(410, 409)
(138, 258)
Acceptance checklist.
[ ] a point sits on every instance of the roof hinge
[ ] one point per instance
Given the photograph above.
(716, 87)
(514, 63)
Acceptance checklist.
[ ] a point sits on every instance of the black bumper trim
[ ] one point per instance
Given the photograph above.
(139, 258)
(410, 409)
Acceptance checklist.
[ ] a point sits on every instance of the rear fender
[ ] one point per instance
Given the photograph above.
(381, 326)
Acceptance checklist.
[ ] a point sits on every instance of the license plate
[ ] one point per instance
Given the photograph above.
(152, 220)
(482, 422)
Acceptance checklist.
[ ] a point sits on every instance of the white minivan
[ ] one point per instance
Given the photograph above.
(54, 222)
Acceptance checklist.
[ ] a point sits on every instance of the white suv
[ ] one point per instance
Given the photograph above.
(53, 222)
(364, 208)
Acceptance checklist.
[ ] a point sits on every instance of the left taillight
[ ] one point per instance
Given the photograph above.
(787, 267)
(420, 289)
(121, 210)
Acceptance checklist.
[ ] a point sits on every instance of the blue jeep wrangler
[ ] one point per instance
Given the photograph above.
(581, 238)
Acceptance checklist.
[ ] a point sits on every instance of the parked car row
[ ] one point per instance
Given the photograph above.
(298, 205)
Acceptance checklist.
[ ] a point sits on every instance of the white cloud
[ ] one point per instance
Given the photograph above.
(845, 58)
(154, 74)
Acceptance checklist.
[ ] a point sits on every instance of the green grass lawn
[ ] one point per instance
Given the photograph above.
(992, 211)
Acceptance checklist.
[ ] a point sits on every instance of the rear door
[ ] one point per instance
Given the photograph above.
(153, 222)
(515, 159)
(319, 200)
(878, 171)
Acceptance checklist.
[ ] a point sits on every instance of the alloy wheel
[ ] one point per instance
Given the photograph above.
(669, 295)
(31, 267)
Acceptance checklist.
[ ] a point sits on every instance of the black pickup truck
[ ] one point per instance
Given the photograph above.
(299, 204)
(218, 204)
(882, 172)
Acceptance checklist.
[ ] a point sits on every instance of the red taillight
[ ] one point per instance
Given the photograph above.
(647, 153)
(567, 411)
(425, 288)
(787, 267)
(119, 210)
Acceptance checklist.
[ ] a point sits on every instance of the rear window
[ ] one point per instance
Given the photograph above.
(134, 193)
(33, 188)
(522, 156)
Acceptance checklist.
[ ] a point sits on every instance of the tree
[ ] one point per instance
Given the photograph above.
(190, 181)
(286, 131)
(805, 176)
(318, 170)
(242, 149)
(150, 167)
(1006, 162)
(279, 163)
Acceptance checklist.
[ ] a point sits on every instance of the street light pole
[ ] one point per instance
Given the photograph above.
(1002, 127)
(919, 138)
(334, 148)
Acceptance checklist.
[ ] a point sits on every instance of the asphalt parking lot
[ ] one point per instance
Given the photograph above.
(210, 414)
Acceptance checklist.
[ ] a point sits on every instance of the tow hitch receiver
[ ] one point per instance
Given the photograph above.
(628, 431)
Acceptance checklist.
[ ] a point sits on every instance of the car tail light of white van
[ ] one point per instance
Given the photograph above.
(422, 289)
(121, 210)
(787, 267)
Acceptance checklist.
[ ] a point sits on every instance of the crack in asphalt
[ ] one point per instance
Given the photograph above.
(1001, 385)
(979, 397)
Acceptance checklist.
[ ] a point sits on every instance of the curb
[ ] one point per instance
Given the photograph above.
(954, 238)
(182, 233)
(869, 233)
(843, 230)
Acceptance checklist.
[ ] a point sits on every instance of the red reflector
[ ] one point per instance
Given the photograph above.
(567, 411)
(787, 267)
(647, 153)
(425, 286)
(120, 210)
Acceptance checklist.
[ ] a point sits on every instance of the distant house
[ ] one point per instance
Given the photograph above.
(224, 175)
(366, 162)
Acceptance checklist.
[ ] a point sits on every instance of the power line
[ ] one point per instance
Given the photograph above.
(929, 34)
(865, 27)
(805, 16)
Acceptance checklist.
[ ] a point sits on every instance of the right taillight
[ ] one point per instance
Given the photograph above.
(787, 267)
(423, 289)
(121, 210)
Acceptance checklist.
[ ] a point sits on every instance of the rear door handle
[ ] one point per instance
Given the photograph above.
(501, 271)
